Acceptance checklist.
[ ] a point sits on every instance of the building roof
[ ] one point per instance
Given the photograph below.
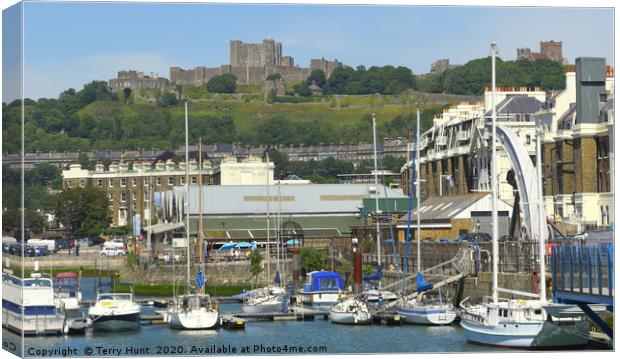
(443, 209)
(518, 104)
(297, 199)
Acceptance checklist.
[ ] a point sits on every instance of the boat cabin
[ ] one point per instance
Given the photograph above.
(320, 281)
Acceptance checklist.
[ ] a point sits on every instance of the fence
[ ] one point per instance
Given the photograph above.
(584, 270)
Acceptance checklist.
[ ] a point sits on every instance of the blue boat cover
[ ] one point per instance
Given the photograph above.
(375, 276)
(277, 279)
(422, 285)
(326, 281)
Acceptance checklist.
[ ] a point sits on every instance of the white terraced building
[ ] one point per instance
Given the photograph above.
(454, 159)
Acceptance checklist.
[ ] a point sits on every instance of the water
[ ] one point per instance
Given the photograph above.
(312, 337)
(286, 337)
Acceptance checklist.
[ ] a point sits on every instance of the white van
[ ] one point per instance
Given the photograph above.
(114, 243)
(49, 243)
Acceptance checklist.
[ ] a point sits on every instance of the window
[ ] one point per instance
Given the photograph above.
(99, 183)
(111, 182)
(182, 181)
(82, 182)
(123, 182)
(134, 182)
(110, 196)
(146, 181)
(159, 181)
(193, 179)
(528, 139)
(146, 196)
(171, 181)
(123, 197)
(133, 196)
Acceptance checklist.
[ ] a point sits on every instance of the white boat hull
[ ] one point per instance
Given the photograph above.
(194, 319)
(38, 324)
(350, 318)
(321, 298)
(428, 316)
(523, 335)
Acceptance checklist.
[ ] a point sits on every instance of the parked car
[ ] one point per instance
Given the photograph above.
(111, 251)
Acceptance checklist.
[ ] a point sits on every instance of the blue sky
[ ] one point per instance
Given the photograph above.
(68, 44)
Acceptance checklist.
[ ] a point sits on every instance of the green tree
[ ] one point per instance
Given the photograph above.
(168, 99)
(256, 268)
(226, 83)
(11, 221)
(274, 77)
(311, 260)
(319, 78)
(84, 211)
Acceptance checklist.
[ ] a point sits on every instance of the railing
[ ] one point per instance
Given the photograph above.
(441, 140)
(584, 271)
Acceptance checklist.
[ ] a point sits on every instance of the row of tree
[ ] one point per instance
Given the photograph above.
(474, 76)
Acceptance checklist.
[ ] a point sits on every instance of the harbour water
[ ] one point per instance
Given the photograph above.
(284, 337)
(291, 337)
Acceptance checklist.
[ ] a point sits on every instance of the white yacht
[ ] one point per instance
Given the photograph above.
(114, 312)
(68, 293)
(29, 305)
(350, 310)
(264, 300)
(427, 311)
(194, 311)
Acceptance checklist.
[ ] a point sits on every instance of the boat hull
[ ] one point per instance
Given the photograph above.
(33, 324)
(538, 335)
(116, 323)
(194, 319)
(321, 298)
(435, 316)
(359, 318)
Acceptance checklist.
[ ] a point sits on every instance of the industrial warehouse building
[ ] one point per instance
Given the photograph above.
(240, 212)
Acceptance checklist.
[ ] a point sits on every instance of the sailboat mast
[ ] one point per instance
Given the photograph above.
(200, 229)
(187, 193)
(541, 217)
(374, 140)
(417, 186)
(268, 210)
(494, 175)
(279, 222)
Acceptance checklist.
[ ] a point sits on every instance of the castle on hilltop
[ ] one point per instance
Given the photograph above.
(549, 50)
(252, 63)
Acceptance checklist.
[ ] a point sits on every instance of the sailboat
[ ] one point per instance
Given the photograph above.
(351, 310)
(269, 298)
(422, 308)
(519, 323)
(377, 295)
(192, 310)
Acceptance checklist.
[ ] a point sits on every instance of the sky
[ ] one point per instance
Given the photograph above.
(69, 44)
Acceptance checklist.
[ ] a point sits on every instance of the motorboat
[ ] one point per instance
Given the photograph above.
(350, 310)
(114, 312)
(193, 311)
(29, 305)
(322, 288)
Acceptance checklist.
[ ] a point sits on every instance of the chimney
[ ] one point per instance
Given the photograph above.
(590, 81)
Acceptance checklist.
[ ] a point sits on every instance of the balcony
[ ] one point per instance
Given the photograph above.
(441, 140)
(463, 136)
